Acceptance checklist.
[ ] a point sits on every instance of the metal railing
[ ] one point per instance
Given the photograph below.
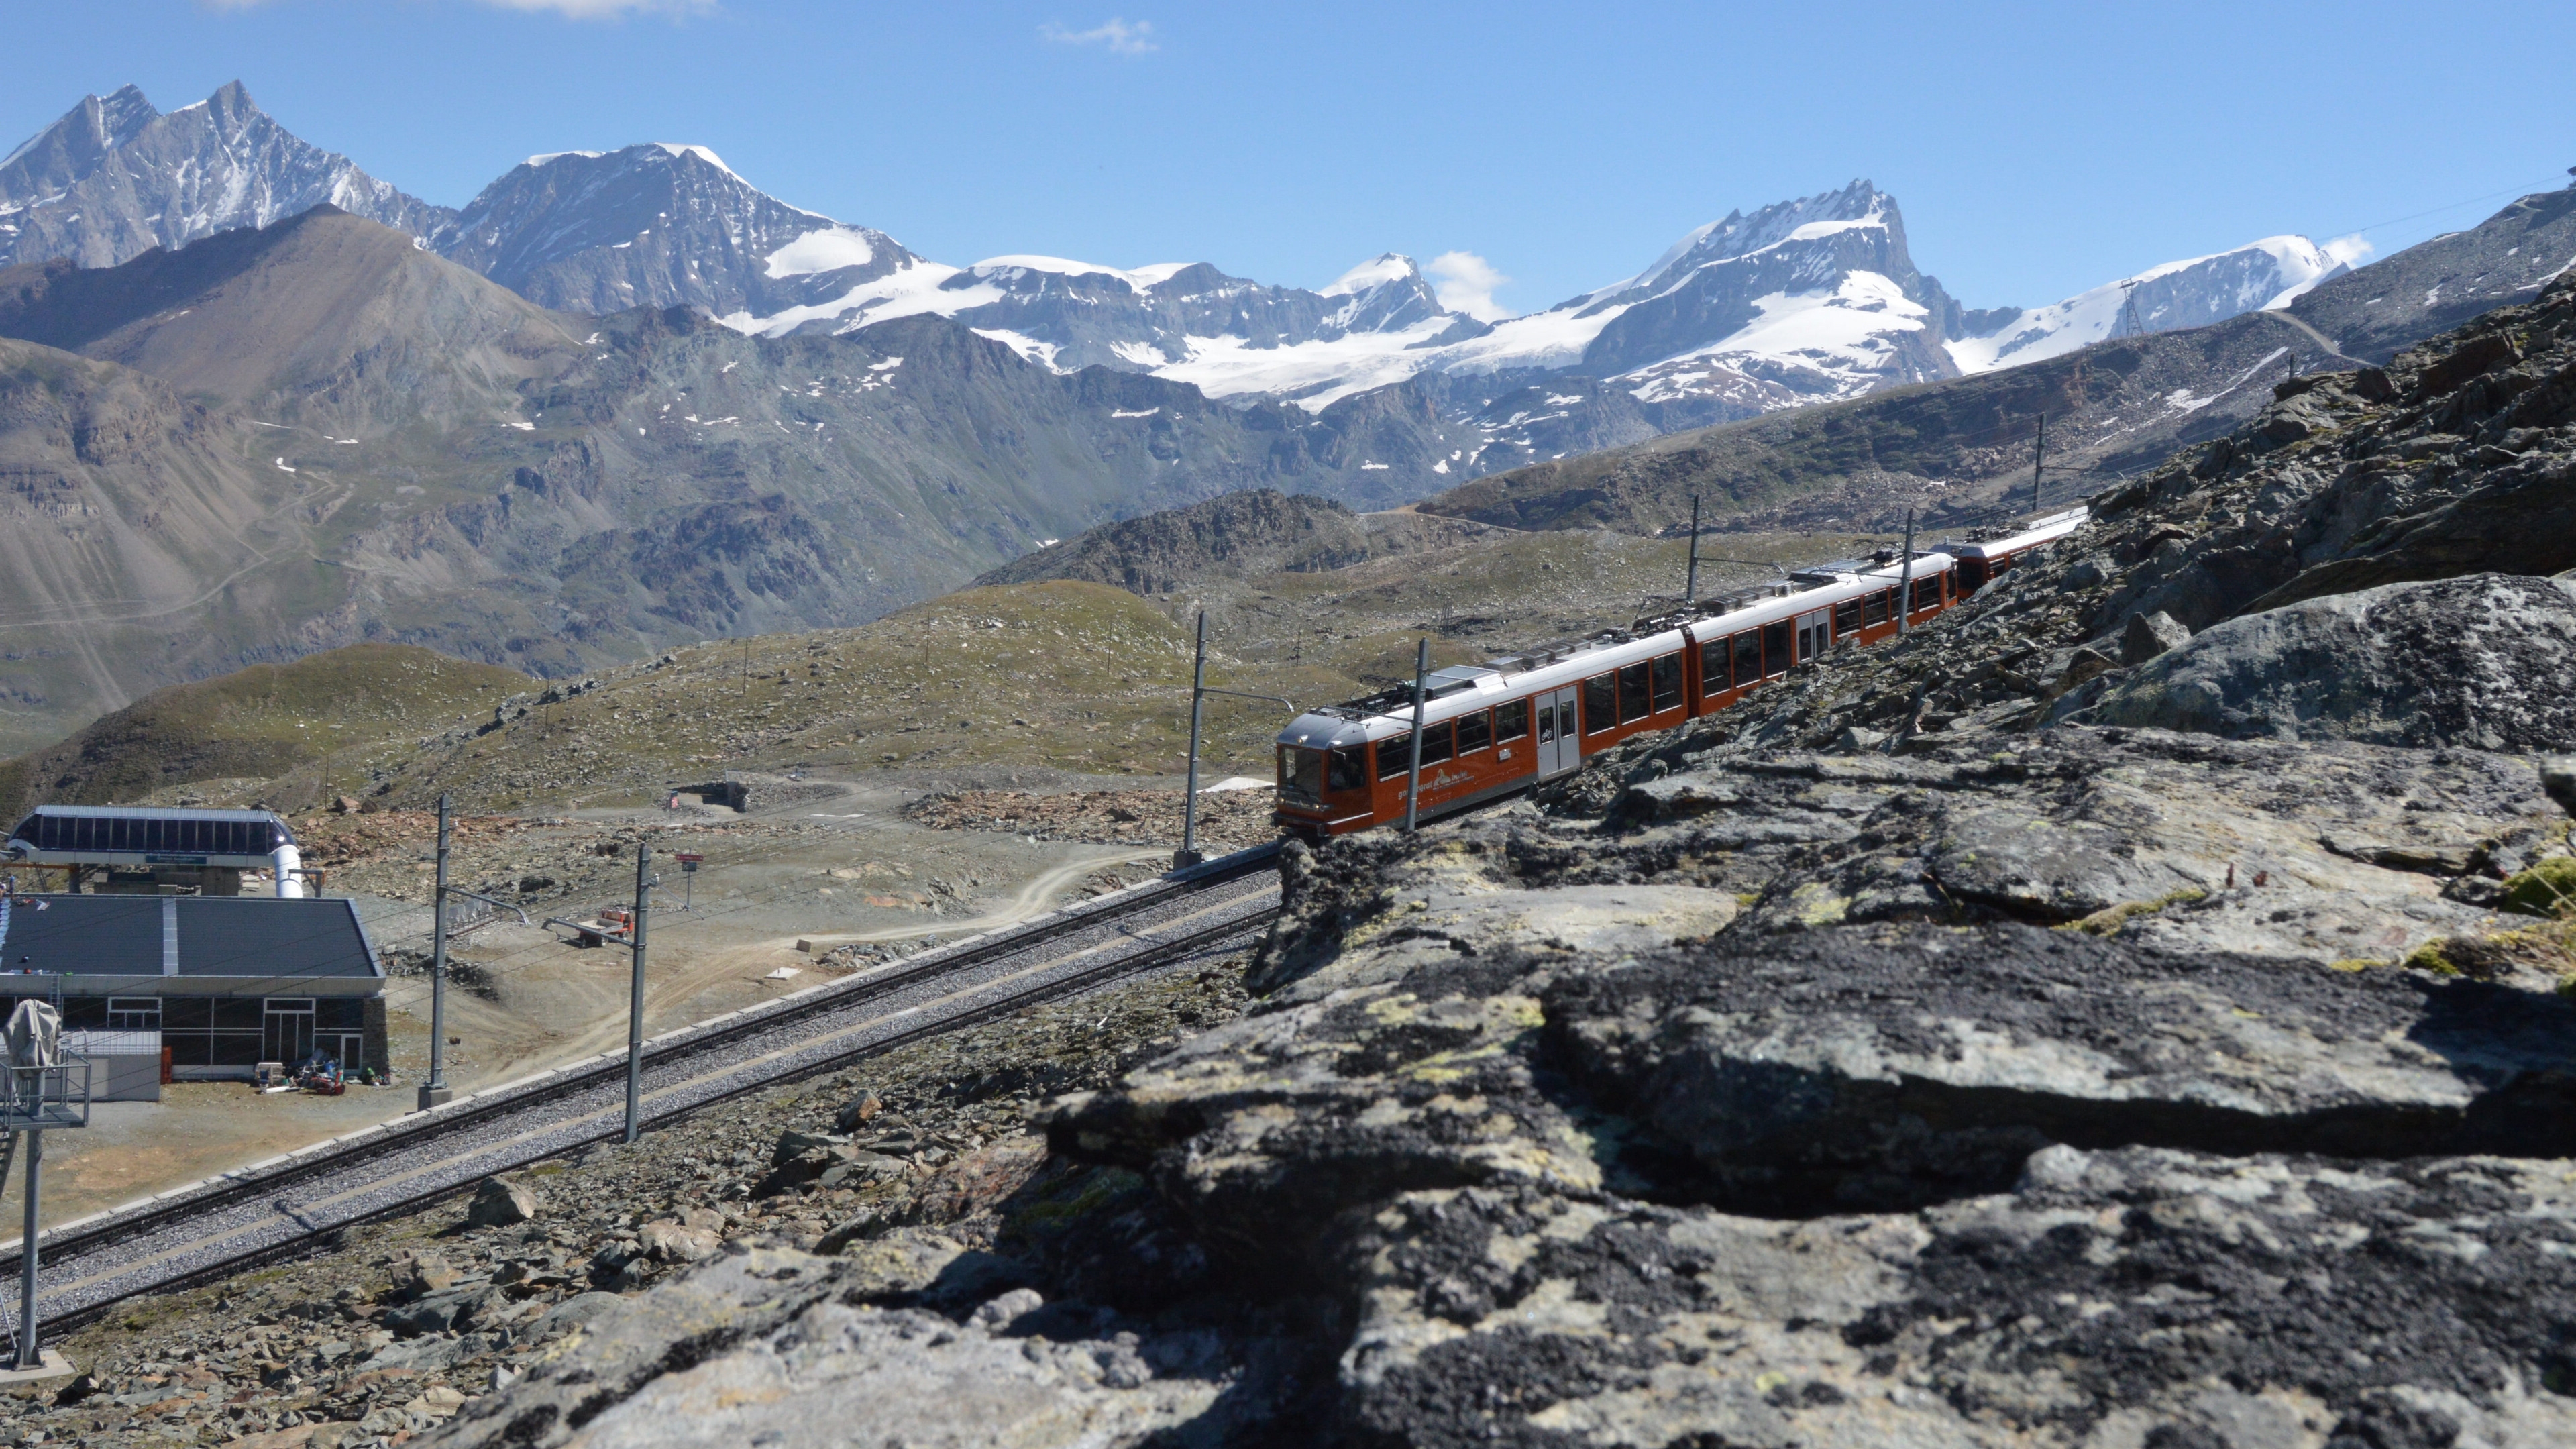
(45, 1097)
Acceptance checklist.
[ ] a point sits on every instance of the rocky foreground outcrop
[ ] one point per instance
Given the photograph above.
(2125, 1014)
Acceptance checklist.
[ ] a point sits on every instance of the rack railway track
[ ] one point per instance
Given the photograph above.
(287, 1205)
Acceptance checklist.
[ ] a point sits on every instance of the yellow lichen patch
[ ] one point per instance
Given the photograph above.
(2108, 921)
(1443, 1068)
(1394, 1010)
(2428, 957)
(1816, 905)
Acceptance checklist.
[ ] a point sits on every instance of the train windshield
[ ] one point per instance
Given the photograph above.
(1307, 774)
(1301, 773)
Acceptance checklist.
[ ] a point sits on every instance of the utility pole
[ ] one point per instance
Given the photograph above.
(1188, 855)
(30, 1354)
(1690, 584)
(435, 1092)
(635, 1000)
(2038, 457)
(1905, 577)
(1413, 773)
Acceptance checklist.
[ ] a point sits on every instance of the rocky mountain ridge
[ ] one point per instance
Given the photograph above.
(1956, 447)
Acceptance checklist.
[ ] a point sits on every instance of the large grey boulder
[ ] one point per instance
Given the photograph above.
(2488, 660)
(2151, 634)
(2139, 1299)
(504, 1201)
(771, 1346)
(1862, 1069)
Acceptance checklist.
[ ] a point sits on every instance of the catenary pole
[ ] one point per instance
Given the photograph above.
(1188, 854)
(1413, 772)
(29, 1354)
(1690, 584)
(2038, 458)
(635, 999)
(435, 1091)
(1905, 577)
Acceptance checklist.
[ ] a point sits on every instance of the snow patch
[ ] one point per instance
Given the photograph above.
(559, 155)
(826, 250)
(1138, 279)
(1041, 353)
(702, 153)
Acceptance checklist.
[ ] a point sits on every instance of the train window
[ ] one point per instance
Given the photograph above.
(1511, 721)
(1847, 618)
(1436, 743)
(1301, 773)
(1632, 694)
(1475, 731)
(1346, 768)
(1972, 574)
(1668, 683)
(1394, 756)
(1748, 657)
(1546, 723)
(1600, 703)
(1927, 593)
(1874, 609)
(1776, 657)
(1713, 667)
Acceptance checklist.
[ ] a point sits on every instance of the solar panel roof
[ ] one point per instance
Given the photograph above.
(202, 936)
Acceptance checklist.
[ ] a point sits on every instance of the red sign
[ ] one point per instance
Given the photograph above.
(686, 858)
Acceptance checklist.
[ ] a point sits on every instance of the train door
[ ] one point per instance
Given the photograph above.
(1559, 747)
(1814, 633)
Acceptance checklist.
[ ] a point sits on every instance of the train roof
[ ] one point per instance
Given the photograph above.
(2013, 538)
(1551, 666)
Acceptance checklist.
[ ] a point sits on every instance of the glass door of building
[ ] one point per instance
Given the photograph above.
(286, 1033)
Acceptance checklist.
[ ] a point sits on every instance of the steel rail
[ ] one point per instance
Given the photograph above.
(413, 1129)
(1152, 955)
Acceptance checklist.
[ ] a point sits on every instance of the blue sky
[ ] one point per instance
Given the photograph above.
(2035, 150)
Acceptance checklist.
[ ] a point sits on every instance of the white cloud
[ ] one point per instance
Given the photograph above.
(1122, 37)
(1465, 282)
(2351, 250)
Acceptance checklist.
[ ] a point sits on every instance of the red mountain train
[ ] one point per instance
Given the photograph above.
(1520, 721)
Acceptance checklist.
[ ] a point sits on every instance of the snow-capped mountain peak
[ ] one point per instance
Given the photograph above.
(1377, 271)
(658, 224)
(1386, 293)
(2192, 292)
(1859, 206)
(115, 178)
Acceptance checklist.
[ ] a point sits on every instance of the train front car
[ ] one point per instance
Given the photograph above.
(1985, 554)
(1324, 774)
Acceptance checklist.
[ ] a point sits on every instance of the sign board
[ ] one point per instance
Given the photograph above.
(688, 862)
